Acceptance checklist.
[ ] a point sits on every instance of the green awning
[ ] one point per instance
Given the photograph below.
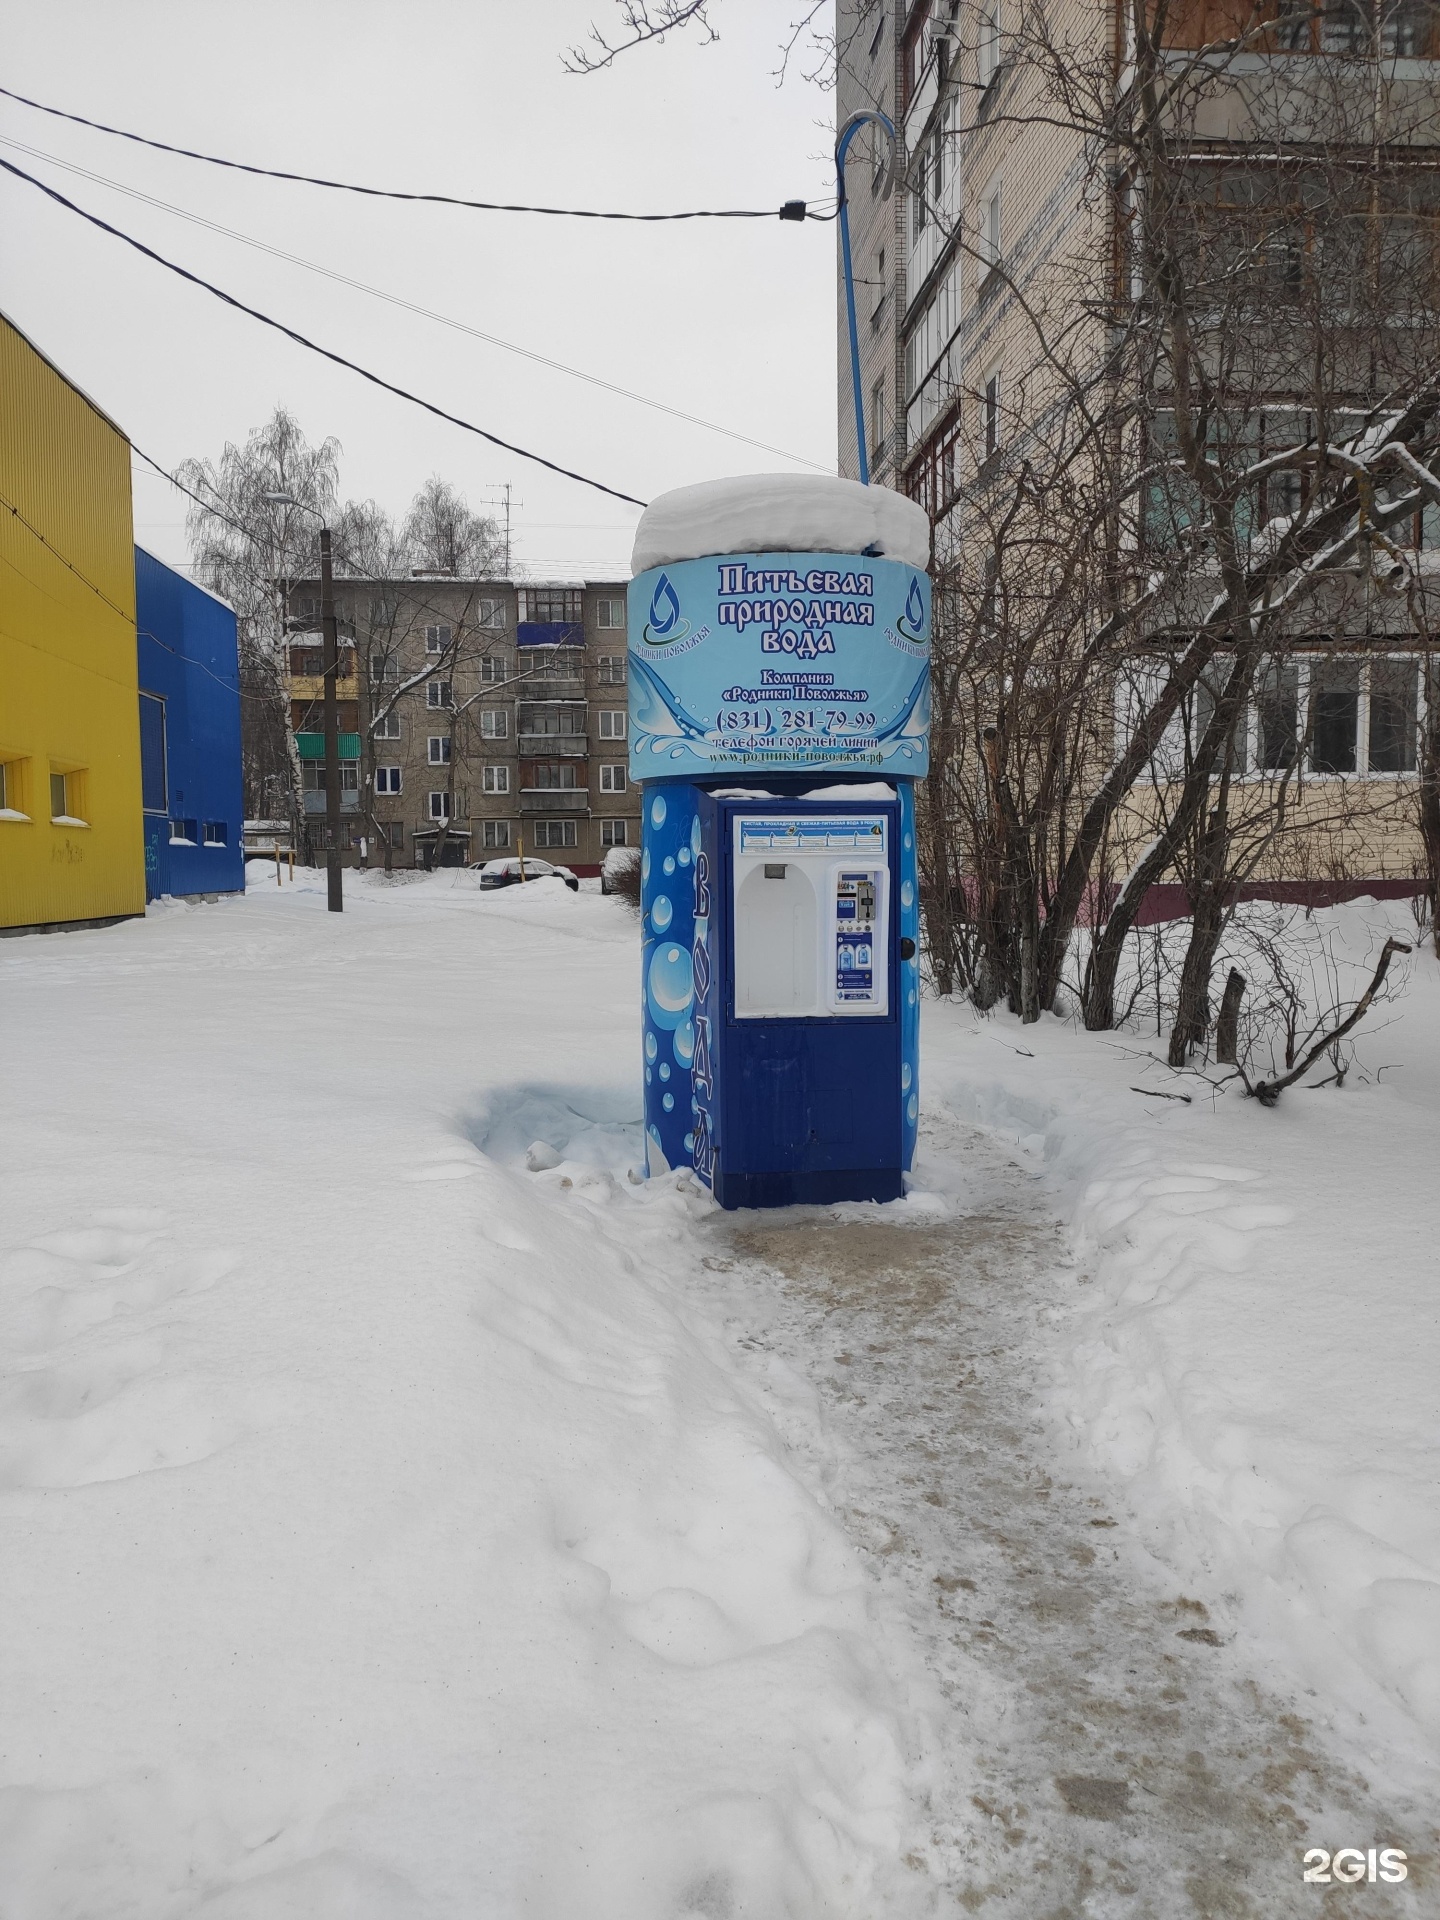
(312, 746)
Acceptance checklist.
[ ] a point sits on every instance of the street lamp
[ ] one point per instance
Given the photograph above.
(331, 708)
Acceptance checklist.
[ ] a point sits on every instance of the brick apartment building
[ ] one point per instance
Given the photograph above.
(477, 718)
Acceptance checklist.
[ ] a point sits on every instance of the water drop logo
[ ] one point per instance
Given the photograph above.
(912, 621)
(664, 624)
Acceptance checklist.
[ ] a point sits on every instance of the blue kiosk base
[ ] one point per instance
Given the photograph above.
(806, 1189)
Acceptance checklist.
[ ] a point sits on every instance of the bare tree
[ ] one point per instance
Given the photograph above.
(249, 550)
(1216, 451)
(442, 535)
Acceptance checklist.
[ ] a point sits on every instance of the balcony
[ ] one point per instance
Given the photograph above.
(311, 686)
(553, 746)
(554, 800)
(315, 803)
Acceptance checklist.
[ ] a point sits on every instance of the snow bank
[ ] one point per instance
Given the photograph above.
(780, 513)
(1256, 1350)
(385, 1534)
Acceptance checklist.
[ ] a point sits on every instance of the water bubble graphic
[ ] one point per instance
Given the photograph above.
(684, 1042)
(689, 1143)
(652, 1046)
(684, 856)
(910, 997)
(669, 866)
(645, 865)
(695, 834)
(657, 811)
(670, 985)
(664, 1069)
(907, 893)
(649, 1076)
(668, 1103)
(904, 1077)
(909, 843)
(912, 1107)
(661, 911)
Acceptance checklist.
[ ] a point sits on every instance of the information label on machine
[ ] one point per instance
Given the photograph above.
(855, 937)
(817, 833)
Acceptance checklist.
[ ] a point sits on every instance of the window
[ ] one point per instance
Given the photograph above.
(611, 670)
(877, 422)
(1393, 711)
(383, 612)
(437, 750)
(495, 780)
(612, 779)
(494, 723)
(388, 780)
(555, 833)
(990, 228)
(1277, 710)
(494, 833)
(610, 613)
(987, 46)
(12, 789)
(551, 606)
(387, 727)
(1283, 495)
(184, 833)
(490, 613)
(1406, 28)
(216, 833)
(494, 669)
(314, 776)
(392, 833)
(1335, 715)
(992, 413)
(437, 693)
(919, 205)
(612, 833)
(306, 606)
(566, 721)
(307, 662)
(439, 806)
(874, 49)
(154, 785)
(437, 639)
(612, 724)
(67, 799)
(559, 776)
(384, 669)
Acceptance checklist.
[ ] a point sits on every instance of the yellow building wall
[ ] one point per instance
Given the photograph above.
(68, 694)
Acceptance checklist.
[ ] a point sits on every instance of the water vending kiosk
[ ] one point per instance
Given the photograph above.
(779, 708)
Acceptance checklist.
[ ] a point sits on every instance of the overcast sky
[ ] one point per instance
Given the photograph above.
(733, 321)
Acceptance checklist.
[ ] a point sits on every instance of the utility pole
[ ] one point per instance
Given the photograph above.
(334, 884)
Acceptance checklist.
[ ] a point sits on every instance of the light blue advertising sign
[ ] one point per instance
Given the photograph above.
(798, 662)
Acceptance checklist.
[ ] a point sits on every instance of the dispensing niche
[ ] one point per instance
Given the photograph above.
(776, 936)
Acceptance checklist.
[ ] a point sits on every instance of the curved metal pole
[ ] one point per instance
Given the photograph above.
(852, 126)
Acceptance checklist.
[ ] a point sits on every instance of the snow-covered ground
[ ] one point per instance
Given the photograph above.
(1253, 1358)
(382, 1538)
(395, 1525)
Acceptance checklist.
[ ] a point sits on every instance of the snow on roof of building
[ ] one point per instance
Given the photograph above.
(780, 513)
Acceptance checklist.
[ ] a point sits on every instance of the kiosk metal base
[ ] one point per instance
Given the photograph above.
(814, 1189)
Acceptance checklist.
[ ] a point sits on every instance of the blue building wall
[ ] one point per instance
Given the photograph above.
(189, 734)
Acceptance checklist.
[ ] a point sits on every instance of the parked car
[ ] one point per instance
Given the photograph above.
(619, 861)
(511, 871)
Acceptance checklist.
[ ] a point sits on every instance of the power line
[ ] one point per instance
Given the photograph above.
(410, 306)
(790, 210)
(325, 353)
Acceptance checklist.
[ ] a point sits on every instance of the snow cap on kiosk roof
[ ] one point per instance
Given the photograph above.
(780, 513)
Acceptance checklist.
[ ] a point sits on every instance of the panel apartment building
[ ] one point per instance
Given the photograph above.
(477, 718)
(1004, 211)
